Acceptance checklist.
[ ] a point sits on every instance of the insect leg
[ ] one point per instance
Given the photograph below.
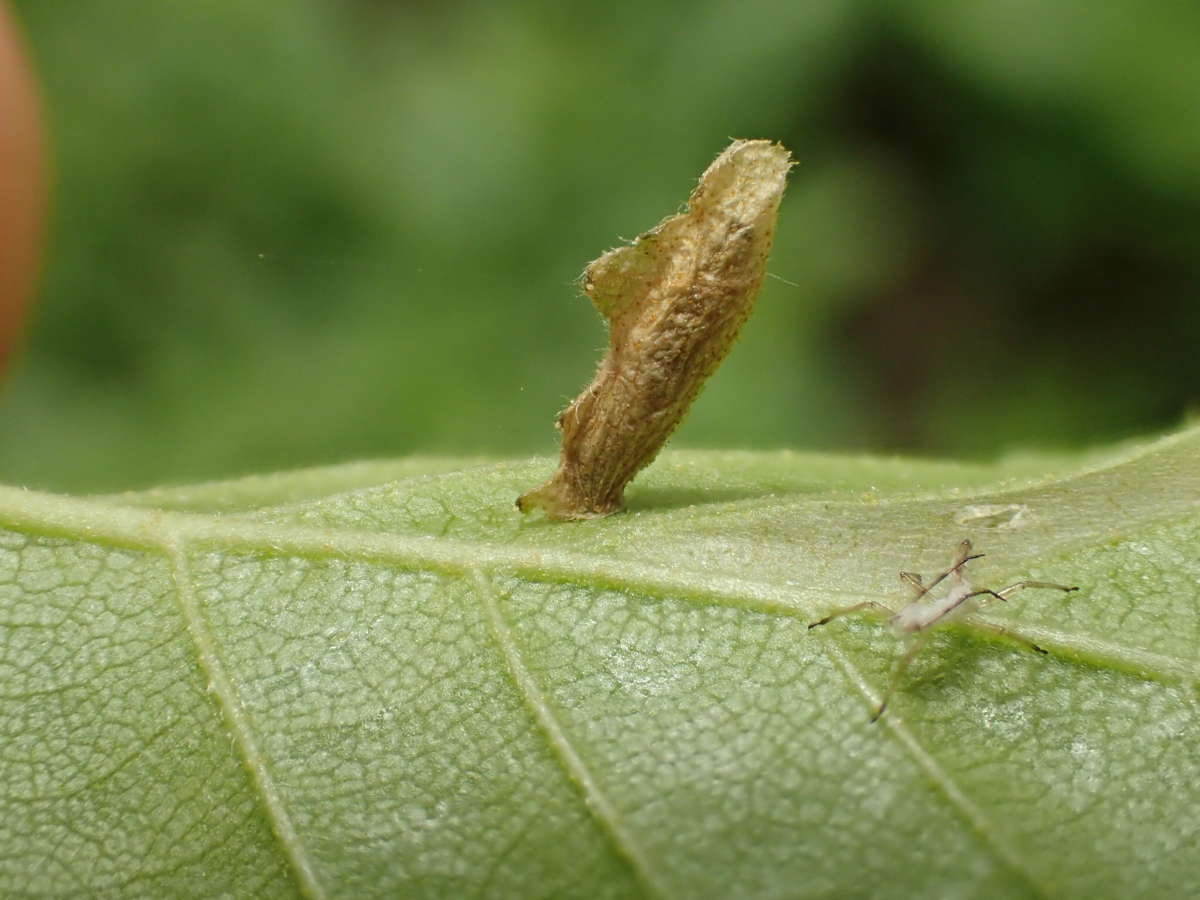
(877, 608)
(1003, 593)
(1004, 632)
(961, 558)
(982, 592)
(1012, 588)
(902, 665)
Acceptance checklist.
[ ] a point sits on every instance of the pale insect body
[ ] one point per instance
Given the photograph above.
(924, 611)
(918, 616)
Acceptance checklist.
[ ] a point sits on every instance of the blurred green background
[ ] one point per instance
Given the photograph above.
(290, 232)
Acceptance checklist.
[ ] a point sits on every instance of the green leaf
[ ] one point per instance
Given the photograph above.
(378, 680)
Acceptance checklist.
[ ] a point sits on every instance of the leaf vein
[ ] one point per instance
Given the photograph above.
(605, 814)
(954, 795)
(238, 723)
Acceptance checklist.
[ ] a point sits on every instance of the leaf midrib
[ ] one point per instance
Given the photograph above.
(155, 530)
(101, 520)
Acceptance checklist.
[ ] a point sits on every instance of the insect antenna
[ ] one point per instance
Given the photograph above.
(961, 558)
(914, 581)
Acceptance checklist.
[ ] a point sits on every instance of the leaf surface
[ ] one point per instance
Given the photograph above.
(378, 680)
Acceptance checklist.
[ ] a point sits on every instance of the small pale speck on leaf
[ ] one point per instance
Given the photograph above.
(675, 300)
(995, 515)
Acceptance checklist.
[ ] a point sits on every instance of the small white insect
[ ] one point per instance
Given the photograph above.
(916, 620)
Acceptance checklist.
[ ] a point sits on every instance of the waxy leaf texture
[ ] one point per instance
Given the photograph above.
(378, 680)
